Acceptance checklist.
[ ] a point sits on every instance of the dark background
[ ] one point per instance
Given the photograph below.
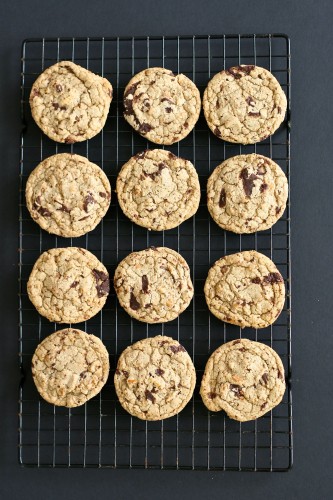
(309, 24)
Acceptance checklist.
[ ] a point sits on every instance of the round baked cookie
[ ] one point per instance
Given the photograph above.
(155, 378)
(69, 103)
(245, 289)
(68, 285)
(67, 195)
(70, 367)
(158, 190)
(244, 104)
(161, 106)
(247, 193)
(243, 378)
(154, 285)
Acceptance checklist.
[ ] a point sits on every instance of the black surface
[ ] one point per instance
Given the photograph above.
(309, 26)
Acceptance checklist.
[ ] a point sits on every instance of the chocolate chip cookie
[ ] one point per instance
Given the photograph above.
(67, 195)
(243, 378)
(158, 190)
(70, 367)
(154, 285)
(69, 103)
(161, 106)
(68, 285)
(155, 378)
(245, 289)
(247, 193)
(244, 104)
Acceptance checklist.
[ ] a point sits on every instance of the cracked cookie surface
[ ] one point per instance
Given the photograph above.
(161, 106)
(68, 285)
(70, 103)
(247, 193)
(158, 190)
(245, 289)
(155, 378)
(154, 285)
(70, 367)
(243, 378)
(244, 104)
(67, 195)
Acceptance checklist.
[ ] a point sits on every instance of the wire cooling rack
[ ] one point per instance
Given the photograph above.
(101, 433)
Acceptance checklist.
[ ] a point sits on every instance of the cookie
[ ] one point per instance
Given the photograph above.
(69, 103)
(67, 195)
(243, 378)
(247, 193)
(161, 106)
(244, 104)
(158, 190)
(155, 378)
(70, 367)
(154, 285)
(68, 285)
(245, 289)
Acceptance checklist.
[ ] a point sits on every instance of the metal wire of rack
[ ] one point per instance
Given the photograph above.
(101, 433)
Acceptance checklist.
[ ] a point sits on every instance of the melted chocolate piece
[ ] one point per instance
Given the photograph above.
(248, 181)
(128, 103)
(277, 210)
(265, 378)
(263, 187)
(263, 406)
(55, 105)
(63, 208)
(159, 371)
(236, 342)
(280, 375)
(261, 170)
(223, 198)
(134, 304)
(102, 282)
(74, 284)
(168, 110)
(253, 114)
(144, 128)
(58, 87)
(212, 395)
(125, 373)
(44, 212)
(250, 101)
(217, 132)
(102, 195)
(236, 389)
(256, 280)
(70, 140)
(237, 71)
(177, 348)
(145, 283)
(87, 200)
(149, 396)
(279, 110)
(35, 92)
(168, 100)
(273, 278)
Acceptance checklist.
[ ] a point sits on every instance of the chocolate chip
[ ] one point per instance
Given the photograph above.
(223, 198)
(149, 396)
(256, 280)
(74, 284)
(263, 187)
(253, 114)
(273, 278)
(168, 110)
(217, 132)
(145, 283)
(55, 105)
(134, 304)
(58, 87)
(250, 101)
(144, 128)
(177, 348)
(248, 181)
(212, 395)
(87, 200)
(265, 378)
(103, 282)
(159, 371)
(236, 389)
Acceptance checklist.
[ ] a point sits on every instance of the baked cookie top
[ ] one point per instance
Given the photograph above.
(67, 195)
(155, 378)
(158, 190)
(70, 367)
(243, 378)
(69, 103)
(245, 289)
(68, 285)
(154, 285)
(161, 106)
(244, 104)
(247, 193)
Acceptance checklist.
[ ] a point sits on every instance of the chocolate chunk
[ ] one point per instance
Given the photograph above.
(277, 210)
(212, 395)
(102, 195)
(74, 284)
(84, 218)
(177, 348)
(265, 378)
(168, 100)
(250, 101)
(223, 198)
(261, 170)
(163, 342)
(256, 280)
(237, 71)
(242, 349)
(236, 389)
(236, 342)
(217, 132)
(273, 278)
(248, 181)
(253, 114)
(263, 187)
(134, 304)
(55, 105)
(263, 406)
(144, 128)
(280, 375)
(145, 283)
(70, 140)
(168, 110)
(35, 93)
(103, 282)
(128, 103)
(44, 212)
(149, 396)
(63, 208)
(159, 371)
(87, 200)
(279, 110)
(58, 87)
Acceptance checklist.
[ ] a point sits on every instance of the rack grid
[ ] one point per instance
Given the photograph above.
(101, 433)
